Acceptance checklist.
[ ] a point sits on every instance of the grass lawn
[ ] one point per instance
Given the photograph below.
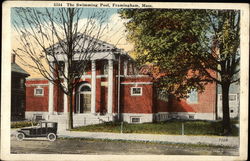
(171, 127)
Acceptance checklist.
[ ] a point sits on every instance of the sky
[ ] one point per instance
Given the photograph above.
(114, 34)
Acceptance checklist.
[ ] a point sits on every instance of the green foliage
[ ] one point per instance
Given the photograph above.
(171, 40)
(22, 124)
(181, 42)
(169, 127)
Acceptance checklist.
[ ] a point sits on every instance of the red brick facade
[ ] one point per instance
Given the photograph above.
(33, 102)
(145, 103)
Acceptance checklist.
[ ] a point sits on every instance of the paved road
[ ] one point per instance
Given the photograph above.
(77, 146)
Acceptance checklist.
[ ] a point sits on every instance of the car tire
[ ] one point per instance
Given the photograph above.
(51, 137)
(20, 136)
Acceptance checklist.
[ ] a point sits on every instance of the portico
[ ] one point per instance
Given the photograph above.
(91, 93)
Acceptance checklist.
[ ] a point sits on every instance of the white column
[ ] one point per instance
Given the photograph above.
(125, 67)
(93, 86)
(51, 95)
(51, 98)
(110, 86)
(65, 99)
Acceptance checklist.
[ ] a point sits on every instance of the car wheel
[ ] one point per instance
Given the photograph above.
(52, 137)
(20, 136)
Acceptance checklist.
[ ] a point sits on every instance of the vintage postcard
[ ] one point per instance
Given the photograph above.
(124, 81)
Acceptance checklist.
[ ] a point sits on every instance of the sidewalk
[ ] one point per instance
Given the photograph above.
(185, 139)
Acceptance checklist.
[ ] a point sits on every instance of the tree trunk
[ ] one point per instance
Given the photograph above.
(225, 106)
(70, 113)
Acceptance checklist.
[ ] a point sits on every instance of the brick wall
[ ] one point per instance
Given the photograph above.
(206, 102)
(136, 104)
(36, 103)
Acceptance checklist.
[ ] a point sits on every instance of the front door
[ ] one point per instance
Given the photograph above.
(85, 102)
(83, 99)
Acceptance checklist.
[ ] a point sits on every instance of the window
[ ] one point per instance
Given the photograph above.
(232, 97)
(38, 117)
(85, 88)
(22, 83)
(38, 92)
(191, 116)
(193, 97)
(49, 124)
(135, 119)
(43, 124)
(136, 91)
(61, 66)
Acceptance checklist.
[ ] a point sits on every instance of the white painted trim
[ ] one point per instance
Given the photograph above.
(136, 83)
(29, 115)
(135, 94)
(185, 115)
(93, 86)
(136, 76)
(97, 76)
(51, 97)
(35, 79)
(35, 85)
(92, 56)
(102, 76)
(110, 86)
(143, 117)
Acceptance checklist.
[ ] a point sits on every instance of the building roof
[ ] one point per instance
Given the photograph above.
(17, 69)
(87, 43)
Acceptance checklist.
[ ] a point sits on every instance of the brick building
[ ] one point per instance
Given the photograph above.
(111, 90)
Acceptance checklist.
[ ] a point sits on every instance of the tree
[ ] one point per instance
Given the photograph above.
(43, 32)
(192, 48)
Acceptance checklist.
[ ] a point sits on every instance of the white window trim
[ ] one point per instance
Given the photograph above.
(35, 94)
(131, 91)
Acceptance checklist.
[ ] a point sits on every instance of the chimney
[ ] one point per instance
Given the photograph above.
(13, 58)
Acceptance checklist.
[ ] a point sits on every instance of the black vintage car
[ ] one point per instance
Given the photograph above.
(43, 129)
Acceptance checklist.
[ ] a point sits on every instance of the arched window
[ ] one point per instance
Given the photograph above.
(85, 88)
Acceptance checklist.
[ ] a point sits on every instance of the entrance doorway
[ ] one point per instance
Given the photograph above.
(83, 99)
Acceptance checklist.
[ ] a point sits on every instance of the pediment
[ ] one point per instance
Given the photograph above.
(84, 43)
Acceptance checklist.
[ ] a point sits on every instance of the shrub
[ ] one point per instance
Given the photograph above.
(22, 124)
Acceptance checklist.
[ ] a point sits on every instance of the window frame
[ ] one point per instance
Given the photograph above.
(35, 94)
(135, 94)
